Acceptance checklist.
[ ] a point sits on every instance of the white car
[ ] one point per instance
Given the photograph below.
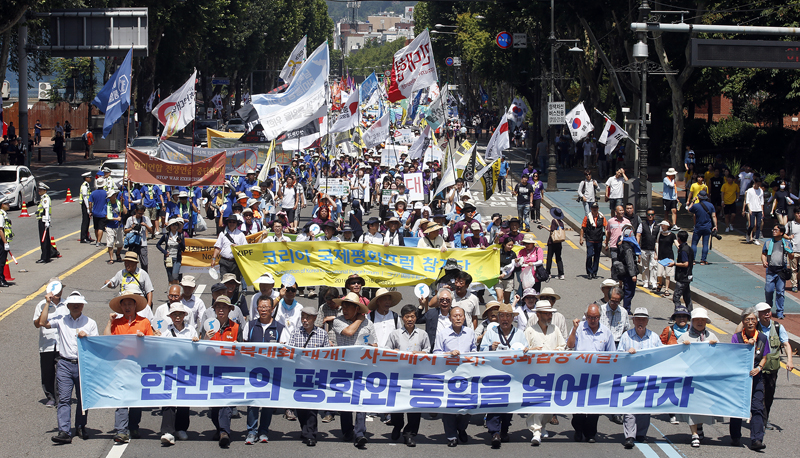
(18, 182)
(147, 145)
(117, 167)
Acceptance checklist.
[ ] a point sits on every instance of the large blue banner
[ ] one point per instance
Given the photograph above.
(130, 371)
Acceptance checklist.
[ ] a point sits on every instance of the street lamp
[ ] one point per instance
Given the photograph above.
(640, 53)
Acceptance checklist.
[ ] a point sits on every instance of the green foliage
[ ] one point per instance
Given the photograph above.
(72, 75)
(372, 58)
(732, 132)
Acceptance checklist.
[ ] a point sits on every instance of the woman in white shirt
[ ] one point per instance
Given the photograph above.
(372, 235)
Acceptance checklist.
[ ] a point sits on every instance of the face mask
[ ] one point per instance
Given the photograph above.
(783, 186)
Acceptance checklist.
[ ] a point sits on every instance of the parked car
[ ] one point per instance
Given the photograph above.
(117, 167)
(18, 182)
(200, 133)
(147, 145)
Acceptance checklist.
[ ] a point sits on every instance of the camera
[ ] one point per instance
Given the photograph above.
(716, 235)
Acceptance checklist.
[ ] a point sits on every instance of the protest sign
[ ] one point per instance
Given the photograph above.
(413, 181)
(196, 257)
(390, 155)
(404, 137)
(131, 371)
(330, 263)
(145, 169)
(338, 187)
(386, 196)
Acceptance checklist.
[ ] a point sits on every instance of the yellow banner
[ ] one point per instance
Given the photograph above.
(211, 133)
(330, 263)
(198, 252)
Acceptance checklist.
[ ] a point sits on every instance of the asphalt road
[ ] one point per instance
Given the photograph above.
(27, 424)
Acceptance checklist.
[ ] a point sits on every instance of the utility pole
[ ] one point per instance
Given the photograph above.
(22, 52)
(640, 54)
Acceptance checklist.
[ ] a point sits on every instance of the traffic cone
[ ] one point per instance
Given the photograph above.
(69, 197)
(53, 243)
(24, 212)
(7, 272)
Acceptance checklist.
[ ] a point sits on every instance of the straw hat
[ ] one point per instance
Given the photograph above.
(433, 227)
(507, 308)
(492, 305)
(528, 238)
(355, 299)
(543, 306)
(396, 298)
(549, 292)
(131, 256)
(131, 292)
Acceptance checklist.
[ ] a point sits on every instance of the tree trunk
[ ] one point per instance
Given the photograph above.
(4, 52)
(676, 89)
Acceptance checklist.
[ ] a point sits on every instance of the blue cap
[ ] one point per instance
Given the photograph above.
(100, 173)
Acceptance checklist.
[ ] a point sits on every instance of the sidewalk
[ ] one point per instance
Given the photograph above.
(732, 282)
(48, 157)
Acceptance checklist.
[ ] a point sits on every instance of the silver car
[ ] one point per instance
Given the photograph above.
(18, 182)
(147, 145)
(117, 167)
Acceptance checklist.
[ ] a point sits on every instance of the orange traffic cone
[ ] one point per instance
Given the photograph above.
(24, 212)
(7, 272)
(53, 243)
(69, 197)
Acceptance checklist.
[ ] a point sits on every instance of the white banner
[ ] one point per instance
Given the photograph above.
(297, 106)
(339, 187)
(377, 133)
(296, 59)
(421, 145)
(177, 111)
(414, 185)
(390, 155)
(414, 68)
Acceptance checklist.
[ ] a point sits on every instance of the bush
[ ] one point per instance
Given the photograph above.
(732, 132)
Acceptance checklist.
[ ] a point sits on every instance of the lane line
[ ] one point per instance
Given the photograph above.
(36, 250)
(647, 291)
(716, 329)
(669, 450)
(795, 371)
(646, 450)
(117, 450)
(677, 452)
(569, 242)
(200, 289)
(5, 313)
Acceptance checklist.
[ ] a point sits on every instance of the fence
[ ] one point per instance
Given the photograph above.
(49, 114)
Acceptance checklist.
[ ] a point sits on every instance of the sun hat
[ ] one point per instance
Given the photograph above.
(507, 308)
(75, 298)
(475, 226)
(641, 312)
(492, 305)
(609, 283)
(548, 292)
(529, 292)
(556, 213)
(230, 277)
(680, 310)
(177, 307)
(671, 171)
(188, 281)
(700, 313)
(265, 279)
(131, 256)
(433, 227)
(528, 238)
(352, 298)
(543, 306)
(223, 299)
(130, 292)
(396, 298)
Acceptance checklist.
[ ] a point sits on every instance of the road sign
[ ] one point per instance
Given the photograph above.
(745, 53)
(456, 61)
(449, 61)
(220, 82)
(503, 40)
(556, 112)
(520, 40)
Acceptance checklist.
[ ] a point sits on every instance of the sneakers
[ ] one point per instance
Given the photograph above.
(728, 229)
(560, 277)
(695, 441)
(537, 439)
(50, 403)
(121, 438)
(794, 289)
(673, 419)
(674, 228)
(262, 438)
(168, 439)
(756, 242)
(62, 438)
(289, 415)
(327, 418)
(182, 436)
(251, 439)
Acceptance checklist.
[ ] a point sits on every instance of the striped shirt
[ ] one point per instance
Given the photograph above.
(319, 338)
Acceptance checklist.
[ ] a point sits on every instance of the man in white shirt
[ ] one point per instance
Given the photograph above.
(615, 187)
(463, 298)
(266, 287)
(754, 205)
(228, 238)
(48, 338)
(745, 178)
(291, 198)
(70, 327)
(384, 320)
(160, 320)
(196, 307)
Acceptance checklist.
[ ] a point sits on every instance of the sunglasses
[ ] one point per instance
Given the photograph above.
(291, 290)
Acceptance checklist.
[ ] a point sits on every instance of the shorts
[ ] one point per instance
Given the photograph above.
(162, 213)
(670, 204)
(664, 271)
(729, 209)
(780, 212)
(99, 223)
(506, 285)
(114, 237)
(152, 213)
(289, 214)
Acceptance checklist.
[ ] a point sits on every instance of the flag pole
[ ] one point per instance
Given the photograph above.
(607, 117)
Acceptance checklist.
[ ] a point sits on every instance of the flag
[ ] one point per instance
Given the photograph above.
(421, 145)
(518, 111)
(612, 135)
(415, 106)
(358, 138)
(469, 170)
(377, 132)
(296, 59)
(297, 106)
(217, 101)
(246, 98)
(448, 174)
(148, 107)
(578, 122)
(306, 135)
(499, 141)
(177, 111)
(115, 97)
(413, 68)
(368, 86)
(488, 179)
(264, 173)
(437, 114)
(348, 117)
(484, 96)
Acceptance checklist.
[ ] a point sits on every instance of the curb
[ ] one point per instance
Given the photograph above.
(708, 301)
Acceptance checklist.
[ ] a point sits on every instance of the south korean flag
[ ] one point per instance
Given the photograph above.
(612, 135)
(579, 123)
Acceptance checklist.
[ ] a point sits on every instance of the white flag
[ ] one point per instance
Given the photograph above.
(448, 175)
(578, 122)
(437, 114)
(348, 118)
(499, 141)
(149, 105)
(217, 101)
(413, 68)
(377, 133)
(612, 135)
(421, 145)
(177, 111)
(296, 59)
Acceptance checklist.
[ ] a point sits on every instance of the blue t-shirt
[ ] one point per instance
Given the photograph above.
(98, 199)
(702, 211)
(150, 196)
(503, 169)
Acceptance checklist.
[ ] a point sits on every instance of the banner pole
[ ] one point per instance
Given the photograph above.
(191, 184)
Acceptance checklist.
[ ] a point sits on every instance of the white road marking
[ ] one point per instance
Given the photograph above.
(117, 450)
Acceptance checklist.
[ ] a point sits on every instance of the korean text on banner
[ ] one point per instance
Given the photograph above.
(414, 185)
(142, 168)
(178, 110)
(330, 263)
(413, 68)
(338, 187)
(697, 379)
(238, 160)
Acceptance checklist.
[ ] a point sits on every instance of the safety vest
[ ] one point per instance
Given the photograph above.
(128, 278)
(112, 213)
(109, 184)
(6, 226)
(774, 357)
(229, 333)
(44, 202)
(85, 191)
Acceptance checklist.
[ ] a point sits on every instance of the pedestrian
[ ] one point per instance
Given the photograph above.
(635, 426)
(714, 183)
(793, 234)
(537, 194)
(625, 268)
(647, 242)
(48, 353)
(730, 193)
(614, 231)
(524, 193)
(175, 420)
(665, 256)
(67, 129)
(435, 314)
(501, 178)
(589, 335)
(98, 200)
(408, 338)
(593, 229)
(171, 245)
(753, 210)
(85, 192)
(308, 335)
(37, 133)
(775, 259)
(228, 331)
(684, 266)
(614, 317)
(705, 224)
(555, 240)
(669, 197)
(615, 188)
(698, 334)
(750, 336)
(139, 224)
(43, 215)
(780, 202)
(505, 283)
(58, 147)
(6, 236)
(383, 319)
(88, 141)
(263, 328)
(131, 274)
(127, 305)
(69, 328)
(113, 231)
(223, 252)
(455, 340)
(695, 188)
(587, 191)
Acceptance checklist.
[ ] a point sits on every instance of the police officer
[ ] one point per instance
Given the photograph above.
(43, 215)
(5, 237)
(86, 190)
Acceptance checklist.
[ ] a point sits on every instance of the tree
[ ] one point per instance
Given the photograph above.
(72, 75)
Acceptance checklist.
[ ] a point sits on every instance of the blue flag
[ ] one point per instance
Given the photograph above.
(115, 97)
(368, 87)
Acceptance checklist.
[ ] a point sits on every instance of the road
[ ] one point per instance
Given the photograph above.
(27, 424)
